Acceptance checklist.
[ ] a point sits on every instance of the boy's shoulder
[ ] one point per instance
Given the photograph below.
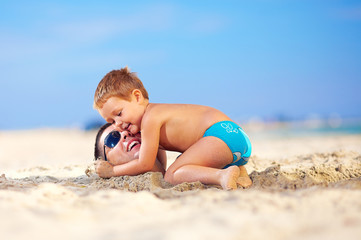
(152, 111)
(156, 107)
(158, 112)
(163, 108)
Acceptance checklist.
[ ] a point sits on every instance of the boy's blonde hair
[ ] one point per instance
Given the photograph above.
(118, 83)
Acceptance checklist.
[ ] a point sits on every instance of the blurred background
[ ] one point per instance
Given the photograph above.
(260, 62)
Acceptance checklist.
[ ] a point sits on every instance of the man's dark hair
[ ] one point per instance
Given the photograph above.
(98, 151)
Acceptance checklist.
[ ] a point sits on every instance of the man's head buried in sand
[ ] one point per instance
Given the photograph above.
(120, 148)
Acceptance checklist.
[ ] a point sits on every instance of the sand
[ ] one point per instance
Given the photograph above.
(305, 187)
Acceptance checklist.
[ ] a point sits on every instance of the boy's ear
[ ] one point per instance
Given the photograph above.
(138, 95)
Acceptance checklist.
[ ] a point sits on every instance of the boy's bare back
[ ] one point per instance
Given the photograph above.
(180, 125)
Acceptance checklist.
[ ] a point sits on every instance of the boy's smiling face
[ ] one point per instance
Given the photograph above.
(125, 115)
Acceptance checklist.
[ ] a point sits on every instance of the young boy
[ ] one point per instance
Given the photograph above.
(214, 149)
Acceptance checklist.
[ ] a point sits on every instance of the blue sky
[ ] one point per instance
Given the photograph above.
(246, 58)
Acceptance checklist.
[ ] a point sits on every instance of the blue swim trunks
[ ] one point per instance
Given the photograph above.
(235, 138)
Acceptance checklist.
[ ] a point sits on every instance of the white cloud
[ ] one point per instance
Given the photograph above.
(52, 36)
(154, 18)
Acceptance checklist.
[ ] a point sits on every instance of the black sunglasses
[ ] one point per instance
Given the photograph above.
(111, 141)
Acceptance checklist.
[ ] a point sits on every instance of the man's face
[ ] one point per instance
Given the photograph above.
(127, 149)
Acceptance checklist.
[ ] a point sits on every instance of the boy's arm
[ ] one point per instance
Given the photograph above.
(104, 169)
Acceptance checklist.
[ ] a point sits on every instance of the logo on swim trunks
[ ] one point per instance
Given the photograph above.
(238, 156)
(229, 128)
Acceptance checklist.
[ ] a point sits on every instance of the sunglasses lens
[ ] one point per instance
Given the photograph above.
(112, 139)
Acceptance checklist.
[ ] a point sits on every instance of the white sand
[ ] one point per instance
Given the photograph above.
(304, 188)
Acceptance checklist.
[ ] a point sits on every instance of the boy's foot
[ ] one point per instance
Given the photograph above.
(229, 178)
(244, 180)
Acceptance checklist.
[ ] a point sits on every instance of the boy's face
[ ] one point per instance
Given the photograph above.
(127, 149)
(124, 115)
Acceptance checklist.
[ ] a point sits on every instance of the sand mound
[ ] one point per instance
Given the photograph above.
(336, 169)
(320, 169)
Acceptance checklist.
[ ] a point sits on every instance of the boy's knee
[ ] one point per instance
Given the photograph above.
(168, 176)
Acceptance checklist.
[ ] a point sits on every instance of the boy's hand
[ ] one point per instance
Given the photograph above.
(104, 169)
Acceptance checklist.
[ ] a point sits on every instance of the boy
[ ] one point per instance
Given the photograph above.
(214, 149)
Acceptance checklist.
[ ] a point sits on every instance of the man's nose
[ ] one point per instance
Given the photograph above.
(124, 135)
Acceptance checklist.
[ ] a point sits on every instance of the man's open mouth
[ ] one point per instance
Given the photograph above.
(132, 144)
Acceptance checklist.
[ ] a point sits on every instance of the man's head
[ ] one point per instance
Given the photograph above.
(125, 150)
(118, 83)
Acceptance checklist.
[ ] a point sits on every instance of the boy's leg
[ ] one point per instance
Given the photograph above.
(227, 178)
(204, 161)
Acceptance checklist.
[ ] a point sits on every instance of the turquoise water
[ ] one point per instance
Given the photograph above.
(354, 130)
(339, 130)
(293, 130)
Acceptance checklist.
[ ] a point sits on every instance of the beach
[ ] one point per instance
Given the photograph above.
(304, 187)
